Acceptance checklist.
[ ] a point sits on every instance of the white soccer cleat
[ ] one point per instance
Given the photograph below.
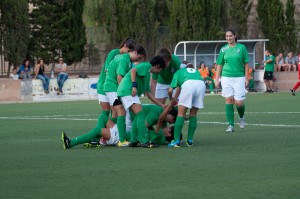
(230, 129)
(242, 123)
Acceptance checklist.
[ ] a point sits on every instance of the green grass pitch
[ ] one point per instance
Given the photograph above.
(260, 161)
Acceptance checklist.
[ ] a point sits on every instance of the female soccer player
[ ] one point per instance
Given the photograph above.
(161, 81)
(190, 85)
(126, 46)
(233, 62)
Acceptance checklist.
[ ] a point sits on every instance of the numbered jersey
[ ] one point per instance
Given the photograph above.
(183, 75)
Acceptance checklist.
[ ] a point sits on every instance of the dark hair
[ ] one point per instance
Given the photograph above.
(25, 60)
(129, 42)
(158, 60)
(174, 113)
(169, 139)
(165, 53)
(233, 32)
(140, 50)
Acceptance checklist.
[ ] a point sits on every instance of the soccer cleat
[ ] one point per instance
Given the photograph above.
(189, 142)
(123, 144)
(230, 129)
(212, 92)
(174, 144)
(293, 92)
(149, 145)
(242, 123)
(92, 144)
(135, 144)
(66, 141)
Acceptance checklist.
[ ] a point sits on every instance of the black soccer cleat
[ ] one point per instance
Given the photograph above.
(149, 145)
(135, 144)
(66, 141)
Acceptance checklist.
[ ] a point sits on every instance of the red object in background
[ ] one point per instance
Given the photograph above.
(299, 66)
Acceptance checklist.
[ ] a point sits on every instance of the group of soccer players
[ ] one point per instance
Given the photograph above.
(125, 121)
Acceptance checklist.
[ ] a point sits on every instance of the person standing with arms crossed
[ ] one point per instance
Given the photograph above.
(233, 62)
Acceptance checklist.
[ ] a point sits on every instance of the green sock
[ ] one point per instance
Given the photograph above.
(141, 126)
(230, 114)
(134, 131)
(121, 128)
(105, 113)
(192, 127)
(114, 119)
(241, 110)
(94, 133)
(211, 87)
(178, 127)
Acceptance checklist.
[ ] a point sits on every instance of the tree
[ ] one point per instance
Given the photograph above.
(14, 28)
(291, 39)
(270, 15)
(64, 36)
(237, 15)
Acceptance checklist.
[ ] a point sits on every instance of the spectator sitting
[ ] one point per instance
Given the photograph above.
(13, 75)
(290, 61)
(61, 69)
(280, 65)
(40, 73)
(24, 70)
(251, 80)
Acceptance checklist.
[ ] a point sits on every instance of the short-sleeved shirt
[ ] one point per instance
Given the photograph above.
(165, 76)
(111, 55)
(142, 79)
(23, 69)
(60, 66)
(119, 66)
(291, 60)
(152, 113)
(270, 66)
(183, 75)
(233, 60)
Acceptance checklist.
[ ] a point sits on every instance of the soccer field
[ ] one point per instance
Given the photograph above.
(261, 161)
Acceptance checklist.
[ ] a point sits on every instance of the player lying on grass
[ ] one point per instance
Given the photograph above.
(190, 85)
(134, 84)
(112, 136)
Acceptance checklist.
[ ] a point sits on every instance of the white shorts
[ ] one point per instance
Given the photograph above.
(112, 97)
(233, 86)
(192, 94)
(114, 136)
(102, 98)
(127, 101)
(161, 90)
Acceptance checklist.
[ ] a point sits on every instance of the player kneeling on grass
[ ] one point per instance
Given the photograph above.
(134, 84)
(190, 85)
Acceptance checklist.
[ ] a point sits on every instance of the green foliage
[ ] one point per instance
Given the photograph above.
(291, 39)
(14, 30)
(194, 19)
(271, 17)
(57, 30)
(236, 15)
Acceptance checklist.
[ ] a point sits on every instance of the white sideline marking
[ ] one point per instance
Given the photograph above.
(82, 119)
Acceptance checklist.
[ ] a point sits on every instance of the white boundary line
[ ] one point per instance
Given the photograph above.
(83, 119)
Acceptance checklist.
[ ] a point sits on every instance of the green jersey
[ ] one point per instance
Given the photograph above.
(233, 60)
(119, 66)
(270, 66)
(142, 79)
(185, 74)
(111, 55)
(165, 76)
